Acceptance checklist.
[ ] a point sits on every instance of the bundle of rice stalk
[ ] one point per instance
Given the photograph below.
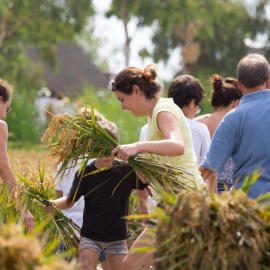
(65, 227)
(81, 139)
(8, 213)
(207, 231)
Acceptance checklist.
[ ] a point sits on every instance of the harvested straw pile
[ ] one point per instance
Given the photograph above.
(205, 231)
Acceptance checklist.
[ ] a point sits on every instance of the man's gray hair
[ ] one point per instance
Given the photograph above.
(253, 70)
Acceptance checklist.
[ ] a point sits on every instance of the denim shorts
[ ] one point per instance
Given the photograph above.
(61, 248)
(110, 248)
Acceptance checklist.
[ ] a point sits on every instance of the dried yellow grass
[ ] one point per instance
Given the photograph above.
(24, 162)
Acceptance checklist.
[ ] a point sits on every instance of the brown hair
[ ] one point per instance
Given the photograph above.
(145, 79)
(224, 91)
(98, 115)
(6, 90)
(253, 70)
(107, 125)
(110, 128)
(185, 88)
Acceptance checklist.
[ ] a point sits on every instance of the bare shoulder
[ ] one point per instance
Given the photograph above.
(3, 126)
(3, 129)
(203, 118)
(166, 119)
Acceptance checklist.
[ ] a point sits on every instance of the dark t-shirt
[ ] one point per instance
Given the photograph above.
(104, 210)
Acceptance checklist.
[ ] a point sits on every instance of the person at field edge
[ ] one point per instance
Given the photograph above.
(225, 97)
(63, 183)
(168, 136)
(6, 172)
(243, 134)
(106, 204)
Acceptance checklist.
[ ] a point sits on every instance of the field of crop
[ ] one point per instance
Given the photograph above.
(25, 161)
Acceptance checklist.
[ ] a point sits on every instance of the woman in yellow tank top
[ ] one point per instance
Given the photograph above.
(168, 135)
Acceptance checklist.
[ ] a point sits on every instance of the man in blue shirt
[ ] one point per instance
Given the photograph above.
(244, 133)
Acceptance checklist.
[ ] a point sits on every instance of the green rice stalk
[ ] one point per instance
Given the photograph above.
(65, 227)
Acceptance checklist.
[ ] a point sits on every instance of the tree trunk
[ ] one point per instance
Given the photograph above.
(124, 17)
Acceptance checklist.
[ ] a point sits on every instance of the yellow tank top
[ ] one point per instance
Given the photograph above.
(187, 161)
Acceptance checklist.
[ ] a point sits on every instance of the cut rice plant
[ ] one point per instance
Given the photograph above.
(79, 139)
(38, 192)
(206, 231)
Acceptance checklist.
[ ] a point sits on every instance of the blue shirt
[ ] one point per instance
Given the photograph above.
(244, 134)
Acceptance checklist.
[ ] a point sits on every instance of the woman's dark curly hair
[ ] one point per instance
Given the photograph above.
(6, 90)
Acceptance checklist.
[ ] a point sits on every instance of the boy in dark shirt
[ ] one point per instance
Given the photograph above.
(105, 206)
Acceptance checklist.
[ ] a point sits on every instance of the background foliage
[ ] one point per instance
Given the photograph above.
(211, 34)
(38, 23)
(25, 130)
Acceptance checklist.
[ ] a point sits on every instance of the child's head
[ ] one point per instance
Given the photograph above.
(107, 125)
(110, 128)
(98, 115)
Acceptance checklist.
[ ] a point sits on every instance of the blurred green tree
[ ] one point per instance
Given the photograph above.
(39, 23)
(210, 33)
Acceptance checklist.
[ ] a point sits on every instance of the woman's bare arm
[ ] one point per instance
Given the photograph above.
(172, 145)
(6, 172)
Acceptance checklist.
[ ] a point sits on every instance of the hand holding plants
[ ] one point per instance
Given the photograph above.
(29, 221)
(126, 151)
(50, 209)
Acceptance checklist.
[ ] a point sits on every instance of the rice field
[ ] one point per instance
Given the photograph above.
(26, 162)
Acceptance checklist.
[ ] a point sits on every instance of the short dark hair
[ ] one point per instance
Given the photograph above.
(145, 79)
(184, 88)
(224, 92)
(253, 70)
(6, 90)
